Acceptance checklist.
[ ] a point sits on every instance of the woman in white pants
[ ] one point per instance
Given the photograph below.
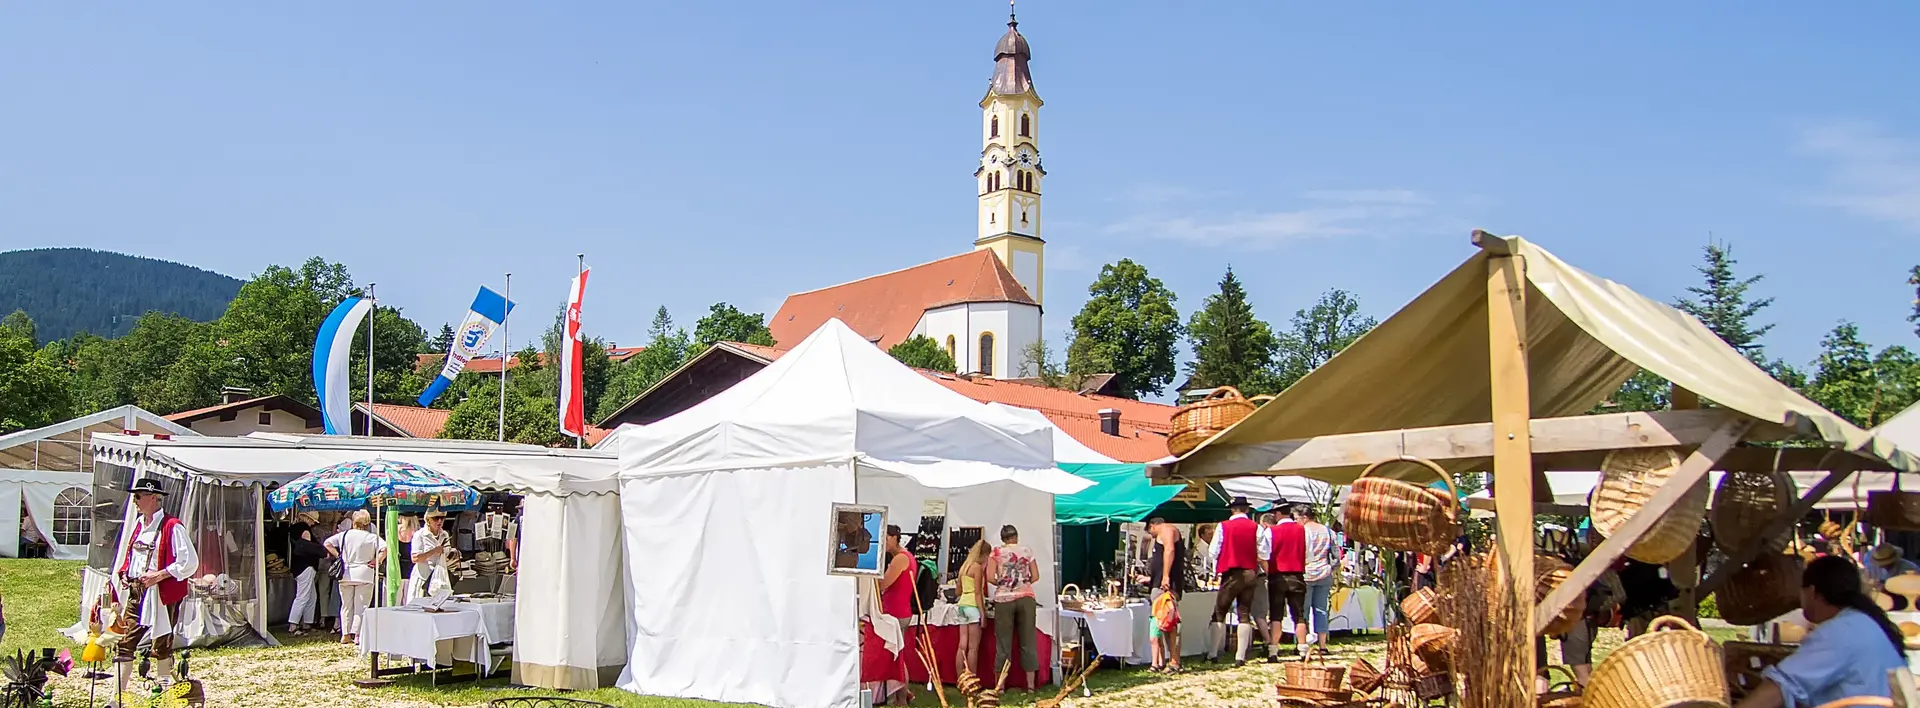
(362, 552)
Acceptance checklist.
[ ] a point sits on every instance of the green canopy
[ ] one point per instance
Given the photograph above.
(1120, 493)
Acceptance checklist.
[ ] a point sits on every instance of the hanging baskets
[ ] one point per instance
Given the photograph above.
(1548, 573)
(1193, 424)
(1628, 480)
(1673, 665)
(1745, 503)
(1421, 607)
(1402, 516)
(1767, 588)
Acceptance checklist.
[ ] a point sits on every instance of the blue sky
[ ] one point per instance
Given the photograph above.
(740, 151)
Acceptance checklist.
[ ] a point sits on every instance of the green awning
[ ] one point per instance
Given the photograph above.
(1120, 493)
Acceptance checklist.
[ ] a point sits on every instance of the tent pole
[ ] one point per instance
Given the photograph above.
(260, 559)
(1512, 433)
(393, 557)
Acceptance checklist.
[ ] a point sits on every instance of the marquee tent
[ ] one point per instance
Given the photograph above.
(569, 617)
(728, 507)
(46, 472)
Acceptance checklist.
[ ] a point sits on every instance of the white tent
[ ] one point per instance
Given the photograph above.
(42, 465)
(728, 508)
(1066, 449)
(569, 618)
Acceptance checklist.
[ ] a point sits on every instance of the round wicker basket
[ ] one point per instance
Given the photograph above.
(1767, 588)
(1549, 572)
(1421, 607)
(1628, 480)
(1194, 423)
(1402, 516)
(1745, 503)
(1434, 645)
(1673, 665)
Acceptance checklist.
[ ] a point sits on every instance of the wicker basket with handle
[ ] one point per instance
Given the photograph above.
(1767, 588)
(1673, 665)
(1747, 660)
(1628, 480)
(1316, 672)
(1071, 599)
(1433, 644)
(1363, 676)
(1205, 418)
(1402, 516)
(1743, 505)
(1421, 606)
(1562, 694)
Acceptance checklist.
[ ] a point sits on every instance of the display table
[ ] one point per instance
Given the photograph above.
(946, 649)
(1120, 633)
(464, 633)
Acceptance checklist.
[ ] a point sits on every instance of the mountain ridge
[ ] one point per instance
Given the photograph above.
(71, 290)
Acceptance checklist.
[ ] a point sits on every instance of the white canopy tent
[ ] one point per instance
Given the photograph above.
(728, 510)
(47, 472)
(569, 615)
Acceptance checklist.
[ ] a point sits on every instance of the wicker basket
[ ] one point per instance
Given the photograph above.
(1746, 661)
(1745, 503)
(1434, 645)
(1421, 607)
(1675, 668)
(1402, 516)
(1362, 676)
(1193, 424)
(1767, 588)
(1316, 673)
(1628, 480)
(1562, 694)
(1548, 574)
(1071, 599)
(1317, 696)
(1434, 686)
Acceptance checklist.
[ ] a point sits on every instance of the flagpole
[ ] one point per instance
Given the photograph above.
(580, 441)
(371, 316)
(506, 353)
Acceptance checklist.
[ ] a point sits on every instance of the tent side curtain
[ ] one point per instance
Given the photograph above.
(1120, 493)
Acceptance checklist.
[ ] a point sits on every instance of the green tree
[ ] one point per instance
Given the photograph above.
(397, 342)
(532, 411)
(725, 323)
(667, 348)
(596, 369)
(1720, 302)
(1038, 362)
(21, 325)
(1231, 347)
(444, 341)
(34, 390)
(1644, 392)
(1317, 333)
(1844, 378)
(135, 368)
(1128, 327)
(268, 330)
(921, 352)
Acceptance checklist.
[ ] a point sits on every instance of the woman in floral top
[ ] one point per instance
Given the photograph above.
(1011, 571)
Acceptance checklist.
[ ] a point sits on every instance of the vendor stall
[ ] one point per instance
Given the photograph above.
(745, 582)
(571, 634)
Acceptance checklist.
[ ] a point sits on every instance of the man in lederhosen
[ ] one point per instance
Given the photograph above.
(155, 559)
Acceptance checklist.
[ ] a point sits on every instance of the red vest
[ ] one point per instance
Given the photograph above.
(1289, 548)
(1239, 545)
(172, 590)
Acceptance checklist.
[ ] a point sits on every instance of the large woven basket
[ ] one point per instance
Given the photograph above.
(1747, 660)
(1434, 645)
(1628, 480)
(1316, 673)
(1745, 503)
(1767, 588)
(1362, 676)
(1402, 516)
(1421, 606)
(1205, 418)
(1673, 665)
(1548, 574)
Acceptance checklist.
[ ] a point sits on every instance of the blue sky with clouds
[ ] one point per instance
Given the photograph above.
(740, 151)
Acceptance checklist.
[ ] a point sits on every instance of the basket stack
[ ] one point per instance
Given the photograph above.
(1767, 588)
(1403, 516)
(1745, 503)
(1628, 480)
(1194, 424)
(1673, 665)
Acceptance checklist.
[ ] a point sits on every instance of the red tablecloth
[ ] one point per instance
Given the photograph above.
(946, 647)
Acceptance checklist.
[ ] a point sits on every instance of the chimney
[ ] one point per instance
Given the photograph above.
(1110, 421)
(229, 394)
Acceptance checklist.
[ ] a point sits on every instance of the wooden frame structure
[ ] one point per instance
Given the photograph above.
(1519, 449)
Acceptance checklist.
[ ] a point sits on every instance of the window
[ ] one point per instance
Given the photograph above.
(950, 347)
(1026, 126)
(72, 516)
(986, 353)
(993, 181)
(993, 127)
(266, 419)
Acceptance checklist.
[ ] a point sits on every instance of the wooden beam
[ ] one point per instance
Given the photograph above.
(1512, 417)
(1490, 243)
(1611, 431)
(1539, 507)
(1685, 570)
(1739, 558)
(1739, 459)
(1691, 472)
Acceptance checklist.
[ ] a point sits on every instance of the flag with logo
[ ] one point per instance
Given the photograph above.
(489, 310)
(573, 415)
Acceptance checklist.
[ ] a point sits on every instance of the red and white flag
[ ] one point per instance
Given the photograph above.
(573, 417)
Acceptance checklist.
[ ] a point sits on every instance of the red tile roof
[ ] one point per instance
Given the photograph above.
(413, 420)
(884, 308)
(198, 413)
(620, 354)
(1144, 425)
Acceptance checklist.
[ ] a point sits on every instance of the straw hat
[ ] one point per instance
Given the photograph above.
(1886, 554)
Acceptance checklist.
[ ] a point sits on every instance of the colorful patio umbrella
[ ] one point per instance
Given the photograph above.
(350, 486)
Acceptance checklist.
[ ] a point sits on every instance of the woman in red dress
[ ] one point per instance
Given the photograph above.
(877, 665)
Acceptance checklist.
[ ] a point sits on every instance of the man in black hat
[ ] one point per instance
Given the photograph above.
(155, 559)
(1238, 551)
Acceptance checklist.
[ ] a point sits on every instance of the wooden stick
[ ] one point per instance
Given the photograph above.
(927, 654)
(1069, 686)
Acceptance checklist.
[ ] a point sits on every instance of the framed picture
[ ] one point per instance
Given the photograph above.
(855, 544)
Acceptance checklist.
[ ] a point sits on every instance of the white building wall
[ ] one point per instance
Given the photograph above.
(1014, 328)
(248, 421)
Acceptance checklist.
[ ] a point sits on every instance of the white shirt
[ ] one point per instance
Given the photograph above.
(1263, 543)
(145, 530)
(427, 573)
(1319, 552)
(359, 549)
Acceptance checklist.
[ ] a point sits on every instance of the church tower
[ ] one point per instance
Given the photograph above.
(1010, 172)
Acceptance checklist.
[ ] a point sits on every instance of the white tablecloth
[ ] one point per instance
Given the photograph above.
(1119, 633)
(438, 637)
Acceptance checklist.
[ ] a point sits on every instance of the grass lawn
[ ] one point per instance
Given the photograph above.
(41, 598)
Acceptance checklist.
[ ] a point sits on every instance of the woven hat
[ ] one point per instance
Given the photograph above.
(1886, 554)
